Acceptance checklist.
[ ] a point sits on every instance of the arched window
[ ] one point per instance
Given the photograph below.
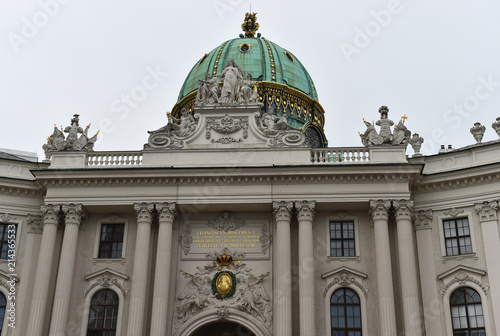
(345, 311)
(467, 312)
(103, 313)
(3, 305)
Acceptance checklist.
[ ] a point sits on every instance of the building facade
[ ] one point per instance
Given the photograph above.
(237, 219)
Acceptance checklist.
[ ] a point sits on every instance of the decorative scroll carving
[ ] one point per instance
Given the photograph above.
(226, 125)
(250, 295)
(105, 279)
(282, 210)
(6, 217)
(173, 134)
(379, 209)
(186, 239)
(496, 126)
(404, 209)
(226, 221)
(345, 278)
(277, 129)
(423, 219)
(35, 224)
(58, 142)
(463, 278)
(265, 238)
(487, 210)
(453, 212)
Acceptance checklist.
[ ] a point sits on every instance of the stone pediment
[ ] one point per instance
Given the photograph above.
(226, 126)
(344, 276)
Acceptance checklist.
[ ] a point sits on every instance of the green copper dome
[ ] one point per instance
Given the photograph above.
(267, 62)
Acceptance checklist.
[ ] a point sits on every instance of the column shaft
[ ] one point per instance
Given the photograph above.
(64, 281)
(306, 267)
(489, 228)
(282, 270)
(140, 273)
(408, 268)
(159, 320)
(42, 278)
(385, 288)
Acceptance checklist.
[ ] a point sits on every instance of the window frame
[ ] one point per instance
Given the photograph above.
(362, 301)
(87, 303)
(484, 302)
(342, 216)
(107, 290)
(467, 310)
(110, 220)
(346, 329)
(6, 241)
(442, 240)
(457, 237)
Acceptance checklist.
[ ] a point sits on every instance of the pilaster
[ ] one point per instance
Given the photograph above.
(487, 212)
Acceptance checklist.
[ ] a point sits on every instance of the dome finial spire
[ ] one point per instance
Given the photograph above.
(250, 24)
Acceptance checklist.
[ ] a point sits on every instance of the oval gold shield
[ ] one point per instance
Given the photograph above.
(224, 283)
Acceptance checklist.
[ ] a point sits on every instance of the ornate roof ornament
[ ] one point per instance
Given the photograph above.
(73, 142)
(250, 25)
(385, 136)
(477, 131)
(496, 126)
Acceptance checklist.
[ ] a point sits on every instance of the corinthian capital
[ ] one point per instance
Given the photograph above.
(404, 209)
(51, 214)
(144, 211)
(379, 209)
(282, 210)
(73, 213)
(166, 212)
(305, 210)
(487, 210)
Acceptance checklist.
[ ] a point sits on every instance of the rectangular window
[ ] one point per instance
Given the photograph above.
(7, 236)
(457, 236)
(342, 239)
(111, 241)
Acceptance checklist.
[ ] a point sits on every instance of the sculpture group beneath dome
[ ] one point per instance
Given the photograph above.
(233, 89)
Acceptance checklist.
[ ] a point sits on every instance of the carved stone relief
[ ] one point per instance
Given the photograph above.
(106, 278)
(226, 125)
(174, 133)
(345, 278)
(487, 210)
(453, 212)
(423, 219)
(35, 224)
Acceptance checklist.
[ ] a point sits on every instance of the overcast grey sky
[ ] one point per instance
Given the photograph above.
(435, 61)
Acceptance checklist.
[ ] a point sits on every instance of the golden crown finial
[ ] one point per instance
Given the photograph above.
(404, 118)
(224, 259)
(250, 25)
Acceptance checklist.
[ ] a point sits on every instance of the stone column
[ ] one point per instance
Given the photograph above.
(386, 311)
(42, 278)
(159, 320)
(73, 217)
(306, 266)
(282, 270)
(138, 291)
(428, 276)
(487, 212)
(408, 268)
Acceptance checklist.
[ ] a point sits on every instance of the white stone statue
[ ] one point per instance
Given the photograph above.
(271, 124)
(77, 139)
(385, 125)
(252, 297)
(208, 90)
(181, 127)
(231, 77)
(247, 93)
(401, 134)
(195, 297)
(370, 137)
(478, 131)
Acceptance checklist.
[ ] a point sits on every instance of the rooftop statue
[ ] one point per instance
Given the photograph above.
(371, 137)
(416, 142)
(172, 134)
(477, 131)
(271, 124)
(73, 142)
(232, 89)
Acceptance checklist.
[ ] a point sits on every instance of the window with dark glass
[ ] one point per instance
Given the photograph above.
(467, 312)
(345, 311)
(342, 239)
(103, 313)
(111, 242)
(7, 235)
(3, 306)
(457, 236)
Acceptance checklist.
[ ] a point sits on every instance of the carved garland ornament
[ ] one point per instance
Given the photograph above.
(226, 221)
(105, 280)
(226, 125)
(185, 239)
(344, 278)
(462, 278)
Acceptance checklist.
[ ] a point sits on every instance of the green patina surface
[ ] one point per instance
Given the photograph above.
(257, 61)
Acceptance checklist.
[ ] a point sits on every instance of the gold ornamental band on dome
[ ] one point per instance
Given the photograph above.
(298, 104)
(214, 72)
(271, 57)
